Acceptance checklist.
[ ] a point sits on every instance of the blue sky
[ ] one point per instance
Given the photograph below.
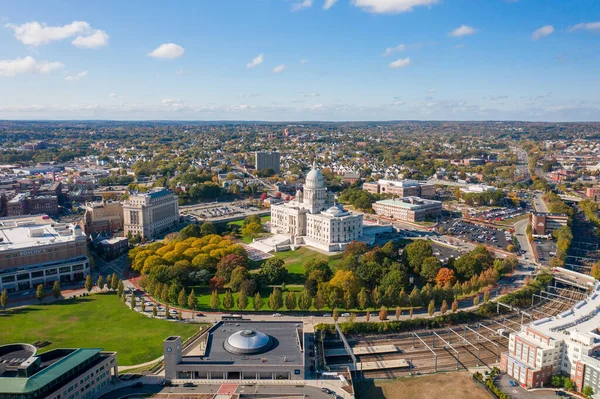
(193, 59)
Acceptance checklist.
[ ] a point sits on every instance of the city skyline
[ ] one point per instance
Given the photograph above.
(320, 60)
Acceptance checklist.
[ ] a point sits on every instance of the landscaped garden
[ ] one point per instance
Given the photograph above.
(101, 320)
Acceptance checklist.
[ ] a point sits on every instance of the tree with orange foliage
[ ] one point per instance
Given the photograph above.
(444, 276)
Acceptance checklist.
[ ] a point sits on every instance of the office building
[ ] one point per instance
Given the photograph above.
(240, 350)
(35, 250)
(149, 214)
(267, 160)
(56, 374)
(102, 217)
(26, 204)
(593, 193)
(545, 223)
(403, 188)
(408, 209)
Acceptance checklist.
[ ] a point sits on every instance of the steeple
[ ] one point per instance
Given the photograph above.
(314, 165)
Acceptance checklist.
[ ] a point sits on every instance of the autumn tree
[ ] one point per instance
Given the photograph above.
(275, 299)
(215, 301)
(228, 300)
(444, 307)
(258, 302)
(56, 289)
(242, 301)
(431, 308)
(290, 301)
(454, 306)
(383, 313)
(445, 276)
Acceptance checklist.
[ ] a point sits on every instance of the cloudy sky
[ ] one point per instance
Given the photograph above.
(300, 59)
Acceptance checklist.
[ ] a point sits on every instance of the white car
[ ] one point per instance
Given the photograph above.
(276, 314)
(173, 311)
(345, 314)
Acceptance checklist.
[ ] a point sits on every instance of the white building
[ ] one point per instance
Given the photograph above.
(312, 218)
(151, 213)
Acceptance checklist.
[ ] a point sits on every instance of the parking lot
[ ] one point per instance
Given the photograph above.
(498, 214)
(480, 234)
(503, 382)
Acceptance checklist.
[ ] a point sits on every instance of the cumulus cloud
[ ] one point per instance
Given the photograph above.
(36, 34)
(432, 91)
(463, 30)
(590, 26)
(328, 4)
(79, 76)
(256, 61)
(391, 6)
(303, 61)
(167, 51)
(27, 65)
(279, 68)
(400, 63)
(395, 49)
(97, 39)
(541, 32)
(302, 5)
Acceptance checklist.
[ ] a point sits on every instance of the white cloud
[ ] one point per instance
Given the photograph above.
(303, 61)
(279, 68)
(397, 103)
(391, 6)
(167, 51)
(328, 4)
(592, 26)
(256, 61)
(432, 91)
(27, 65)
(400, 63)
(395, 49)
(79, 76)
(541, 32)
(302, 5)
(98, 38)
(35, 34)
(463, 30)
(112, 95)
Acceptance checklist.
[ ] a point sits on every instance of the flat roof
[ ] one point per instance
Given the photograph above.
(33, 231)
(405, 202)
(68, 359)
(285, 351)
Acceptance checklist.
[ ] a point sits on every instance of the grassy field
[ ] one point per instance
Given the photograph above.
(436, 386)
(295, 260)
(98, 320)
(511, 221)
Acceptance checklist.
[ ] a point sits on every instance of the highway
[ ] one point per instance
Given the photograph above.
(538, 203)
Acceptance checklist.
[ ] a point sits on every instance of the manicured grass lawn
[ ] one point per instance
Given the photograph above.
(295, 260)
(240, 223)
(100, 320)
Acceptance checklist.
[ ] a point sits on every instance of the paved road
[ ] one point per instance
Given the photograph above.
(538, 203)
(520, 393)
(283, 390)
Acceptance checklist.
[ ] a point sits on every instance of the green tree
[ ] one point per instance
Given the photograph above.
(273, 271)
(228, 300)
(415, 297)
(336, 314)
(133, 302)
(258, 302)
(143, 305)
(238, 276)
(4, 299)
(167, 311)
(114, 282)
(348, 300)
(431, 308)
(154, 310)
(88, 283)
(430, 268)
(486, 296)
(252, 230)
(476, 300)
(39, 293)
(569, 384)
(375, 297)
(587, 391)
(164, 294)
(182, 298)
(100, 283)
(291, 301)
(319, 302)
(334, 298)
(305, 300)
(215, 301)
(362, 298)
(275, 299)
(416, 252)
(56, 289)
(242, 301)
(207, 228)
(192, 301)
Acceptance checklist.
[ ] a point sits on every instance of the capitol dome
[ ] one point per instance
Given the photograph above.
(314, 178)
(248, 342)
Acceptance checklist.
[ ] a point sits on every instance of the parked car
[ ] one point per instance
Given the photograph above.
(276, 314)
(345, 314)
(189, 385)
(512, 383)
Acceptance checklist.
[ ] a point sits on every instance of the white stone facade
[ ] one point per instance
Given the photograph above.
(313, 218)
(151, 213)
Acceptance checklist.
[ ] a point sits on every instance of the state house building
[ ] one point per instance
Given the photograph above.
(36, 250)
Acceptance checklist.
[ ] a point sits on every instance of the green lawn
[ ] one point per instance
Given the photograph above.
(240, 224)
(96, 321)
(295, 260)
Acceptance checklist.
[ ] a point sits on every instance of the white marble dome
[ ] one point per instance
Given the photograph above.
(314, 179)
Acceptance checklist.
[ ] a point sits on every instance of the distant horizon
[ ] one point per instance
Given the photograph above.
(301, 60)
(387, 121)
